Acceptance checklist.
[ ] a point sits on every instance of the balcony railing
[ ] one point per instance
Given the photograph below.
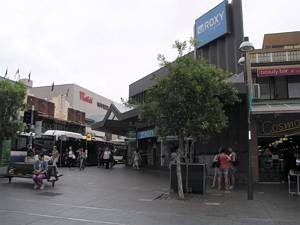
(269, 57)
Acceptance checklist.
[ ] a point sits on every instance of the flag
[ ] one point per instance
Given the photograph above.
(67, 94)
(29, 75)
(52, 88)
(17, 73)
(6, 72)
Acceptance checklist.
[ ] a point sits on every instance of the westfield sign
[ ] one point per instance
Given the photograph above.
(85, 98)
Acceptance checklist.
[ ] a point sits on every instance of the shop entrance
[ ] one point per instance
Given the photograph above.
(276, 157)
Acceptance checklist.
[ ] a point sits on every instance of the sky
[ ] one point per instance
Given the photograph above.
(105, 45)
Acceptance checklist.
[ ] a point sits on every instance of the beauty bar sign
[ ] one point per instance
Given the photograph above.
(277, 72)
(211, 25)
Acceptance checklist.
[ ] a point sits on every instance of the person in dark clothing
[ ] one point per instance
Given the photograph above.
(100, 158)
(111, 159)
(30, 151)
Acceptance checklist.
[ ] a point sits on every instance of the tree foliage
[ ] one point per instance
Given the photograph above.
(190, 100)
(12, 97)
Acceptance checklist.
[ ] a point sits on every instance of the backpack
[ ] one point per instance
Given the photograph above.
(216, 164)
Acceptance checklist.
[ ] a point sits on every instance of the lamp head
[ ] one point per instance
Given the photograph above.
(246, 46)
(241, 61)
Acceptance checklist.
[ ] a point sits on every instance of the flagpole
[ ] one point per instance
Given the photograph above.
(17, 73)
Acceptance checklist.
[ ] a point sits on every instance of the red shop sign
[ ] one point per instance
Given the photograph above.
(275, 72)
(85, 98)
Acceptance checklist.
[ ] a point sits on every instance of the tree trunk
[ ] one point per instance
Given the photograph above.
(178, 168)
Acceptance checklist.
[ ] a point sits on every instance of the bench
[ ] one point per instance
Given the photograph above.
(25, 170)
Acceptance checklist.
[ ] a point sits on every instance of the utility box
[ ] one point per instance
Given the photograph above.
(193, 178)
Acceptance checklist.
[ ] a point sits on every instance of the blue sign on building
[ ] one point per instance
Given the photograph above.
(146, 134)
(212, 24)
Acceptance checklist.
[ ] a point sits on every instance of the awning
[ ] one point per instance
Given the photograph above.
(119, 122)
(275, 106)
(113, 126)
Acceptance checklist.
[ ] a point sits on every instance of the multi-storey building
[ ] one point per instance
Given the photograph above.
(276, 105)
(66, 107)
(219, 46)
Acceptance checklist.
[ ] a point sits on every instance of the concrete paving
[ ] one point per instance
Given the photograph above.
(123, 196)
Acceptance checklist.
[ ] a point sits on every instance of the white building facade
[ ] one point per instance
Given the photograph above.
(73, 96)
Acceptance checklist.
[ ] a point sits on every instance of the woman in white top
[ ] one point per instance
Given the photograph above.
(136, 159)
(71, 157)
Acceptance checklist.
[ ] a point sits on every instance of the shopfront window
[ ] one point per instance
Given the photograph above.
(294, 86)
(276, 157)
(279, 87)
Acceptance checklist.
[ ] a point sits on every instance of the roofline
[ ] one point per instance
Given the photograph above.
(144, 77)
(297, 31)
(73, 84)
(54, 85)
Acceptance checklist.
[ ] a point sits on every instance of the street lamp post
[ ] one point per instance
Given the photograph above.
(247, 47)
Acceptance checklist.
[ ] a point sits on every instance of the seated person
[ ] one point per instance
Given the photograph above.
(30, 151)
(40, 172)
(30, 154)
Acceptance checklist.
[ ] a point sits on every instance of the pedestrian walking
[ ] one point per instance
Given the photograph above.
(71, 157)
(106, 157)
(81, 157)
(111, 159)
(136, 159)
(54, 158)
(233, 167)
(100, 157)
(85, 157)
(215, 166)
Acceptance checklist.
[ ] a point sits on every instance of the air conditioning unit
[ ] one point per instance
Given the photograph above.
(256, 91)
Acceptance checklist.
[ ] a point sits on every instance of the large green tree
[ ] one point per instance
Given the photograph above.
(189, 101)
(12, 97)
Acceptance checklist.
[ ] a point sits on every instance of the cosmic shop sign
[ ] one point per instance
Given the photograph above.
(278, 125)
(212, 24)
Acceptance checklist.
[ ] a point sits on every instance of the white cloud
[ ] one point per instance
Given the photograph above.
(104, 45)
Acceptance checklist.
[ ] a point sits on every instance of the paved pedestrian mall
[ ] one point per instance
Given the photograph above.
(124, 196)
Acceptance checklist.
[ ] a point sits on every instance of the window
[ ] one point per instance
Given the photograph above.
(294, 86)
(266, 87)
(139, 98)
